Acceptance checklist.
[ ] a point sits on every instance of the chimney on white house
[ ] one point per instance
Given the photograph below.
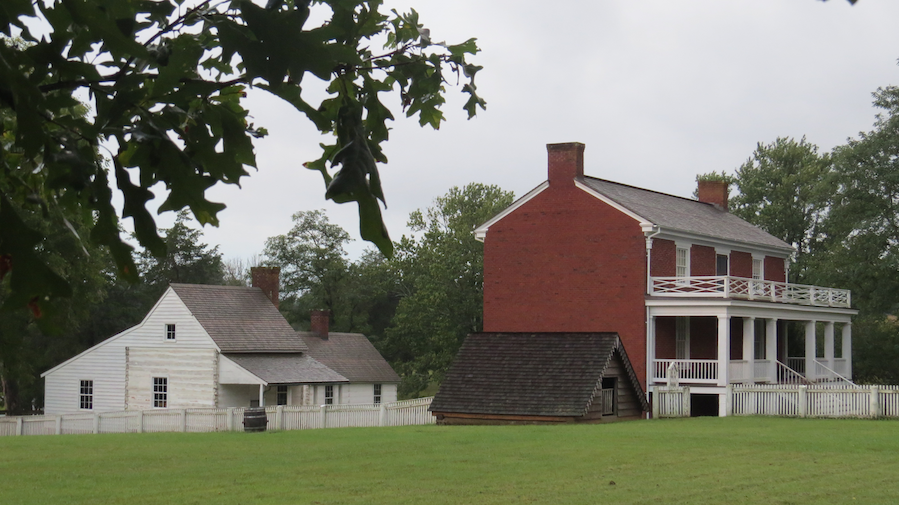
(715, 193)
(319, 323)
(566, 162)
(268, 279)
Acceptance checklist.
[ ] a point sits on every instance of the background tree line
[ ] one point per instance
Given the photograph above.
(416, 307)
(841, 212)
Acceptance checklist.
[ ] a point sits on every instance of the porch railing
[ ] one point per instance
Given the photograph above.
(740, 371)
(725, 286)
(690, 370)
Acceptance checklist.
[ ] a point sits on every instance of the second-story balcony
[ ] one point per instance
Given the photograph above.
(725, 286)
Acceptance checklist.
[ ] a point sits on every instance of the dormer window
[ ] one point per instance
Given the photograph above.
(170, 332)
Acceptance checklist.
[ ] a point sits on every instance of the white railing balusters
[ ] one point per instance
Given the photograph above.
(724, 286)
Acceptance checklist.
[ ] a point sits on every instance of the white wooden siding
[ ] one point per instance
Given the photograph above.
(191, 375)
(232, 373)
(105, 362)
(237, 395)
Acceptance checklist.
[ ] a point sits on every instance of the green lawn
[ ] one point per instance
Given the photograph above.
(705, 460)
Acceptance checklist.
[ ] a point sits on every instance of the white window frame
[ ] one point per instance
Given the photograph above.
(682, 337)
(170, 335)
(329, 395)
(758, 276)
(377, 389)
(86, 394)
(160, 392)
(279, 391)
(682, 269)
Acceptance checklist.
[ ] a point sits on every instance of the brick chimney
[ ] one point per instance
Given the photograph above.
(714, 192)
(319, 320)
(268, 279)
(566, 161)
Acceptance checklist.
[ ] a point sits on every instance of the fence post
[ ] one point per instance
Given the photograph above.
(729, 400)
(140, 421)
(382, 415)
(685, 398)
(230, 420)
(59, 425)
(19, 423)
(874, 404)
(803, 401)
(96, 422)
(323, 412)
(183, 420)
(279, 415)
(654, 399)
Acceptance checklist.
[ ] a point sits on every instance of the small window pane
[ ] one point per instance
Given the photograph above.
(160, 392)
(282, 395)
(681, 268)
(377, 393)
(329, 395)
(170, 332)
(87, 395)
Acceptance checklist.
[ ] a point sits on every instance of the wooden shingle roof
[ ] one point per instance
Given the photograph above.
(351, 355)
(239, 319)
(530, 374)
(287, 368)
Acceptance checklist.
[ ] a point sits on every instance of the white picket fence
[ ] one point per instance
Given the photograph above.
(834, 400)
(282, 417)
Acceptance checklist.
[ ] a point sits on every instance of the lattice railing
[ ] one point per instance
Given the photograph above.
(724, 286)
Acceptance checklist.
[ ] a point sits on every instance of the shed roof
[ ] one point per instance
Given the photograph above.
(533, 374)
(286, 368)
(351, 355)
(683, 214)
(239, 319)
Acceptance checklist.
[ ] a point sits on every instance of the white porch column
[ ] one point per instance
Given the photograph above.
(723, 349)
(749, 348)
(771, 348)
(828, 345)
(650, 349)
(262, 395)
(847, 348)
(810, 353)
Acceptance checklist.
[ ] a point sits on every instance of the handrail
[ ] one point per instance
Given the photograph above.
(837, 378)
(726, 286)
(786, 375)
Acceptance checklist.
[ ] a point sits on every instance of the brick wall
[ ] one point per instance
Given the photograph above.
(664, 258)
(666, 338)
(704, 337)
(775, 269)
(702, 260)
(741, 264)
(565, 261)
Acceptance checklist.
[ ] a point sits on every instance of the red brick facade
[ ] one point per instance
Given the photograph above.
(775, 269)
(702, 260)
(741, 264)
(566, 261)
(664, 258)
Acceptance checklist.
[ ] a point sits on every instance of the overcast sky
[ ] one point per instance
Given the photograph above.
(659, 91)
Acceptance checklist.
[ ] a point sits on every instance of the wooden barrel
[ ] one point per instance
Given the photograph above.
(254, 419)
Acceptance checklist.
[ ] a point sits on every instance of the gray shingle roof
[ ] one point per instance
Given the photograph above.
(286, 368)
(351, 355)
(683, 214)
(534, 374)
(239, 319)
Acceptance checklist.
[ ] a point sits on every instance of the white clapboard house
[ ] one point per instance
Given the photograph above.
(220, 346)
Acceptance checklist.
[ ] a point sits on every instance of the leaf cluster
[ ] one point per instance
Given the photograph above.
(166, 84)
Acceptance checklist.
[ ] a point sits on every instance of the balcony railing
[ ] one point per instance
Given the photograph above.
(725, 286)
(692, 371)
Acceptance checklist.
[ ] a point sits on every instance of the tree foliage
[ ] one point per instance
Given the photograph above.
(444, 270)
(784, 188)
(166, 84)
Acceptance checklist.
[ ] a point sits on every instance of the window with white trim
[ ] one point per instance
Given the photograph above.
(682, 338)
(377, 388)
(757, 269)
(170, 332)
(682, 262)
(87, 395)
(160, 392)
(282, 395)
(329, 395)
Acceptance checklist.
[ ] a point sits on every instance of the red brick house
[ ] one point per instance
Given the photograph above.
(685, 284)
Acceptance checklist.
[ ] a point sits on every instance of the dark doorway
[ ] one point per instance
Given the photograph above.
(721, 265)
(703, 405)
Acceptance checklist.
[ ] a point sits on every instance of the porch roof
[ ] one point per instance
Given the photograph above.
(286, 368)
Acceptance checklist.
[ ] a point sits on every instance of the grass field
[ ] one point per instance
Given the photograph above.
(704, 460)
